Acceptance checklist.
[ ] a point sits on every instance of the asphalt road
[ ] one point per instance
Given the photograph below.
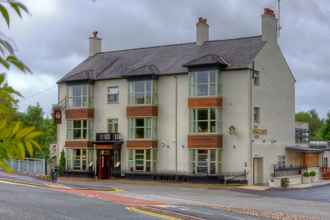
(25, 203)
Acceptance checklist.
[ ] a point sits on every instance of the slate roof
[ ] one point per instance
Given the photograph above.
(168, 59)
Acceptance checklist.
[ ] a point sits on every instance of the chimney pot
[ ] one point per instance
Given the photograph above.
(270, 12)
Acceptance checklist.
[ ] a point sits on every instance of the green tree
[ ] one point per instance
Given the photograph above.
(314, 121)
(325, 130)
(15, 139)
(35, 117)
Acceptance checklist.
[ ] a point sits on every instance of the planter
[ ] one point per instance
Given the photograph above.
(306, 180)
(314, 179)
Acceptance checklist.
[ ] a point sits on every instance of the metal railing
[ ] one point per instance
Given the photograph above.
(29, 166)
(287, 170)
(107, 137)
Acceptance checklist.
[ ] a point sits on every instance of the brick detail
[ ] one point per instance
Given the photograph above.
(205, 102)
(141, 144)
(142, 111)
(103, 146)
(205, 141)
(78, 144)
(81, 113)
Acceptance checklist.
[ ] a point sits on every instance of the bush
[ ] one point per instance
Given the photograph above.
(312, 173)
(306, 174)
(285, 182)
(62, 164)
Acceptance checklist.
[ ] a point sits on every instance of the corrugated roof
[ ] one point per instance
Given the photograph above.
(168, 59)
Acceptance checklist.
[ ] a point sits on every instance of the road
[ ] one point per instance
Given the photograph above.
(25, 203)
(19, 202)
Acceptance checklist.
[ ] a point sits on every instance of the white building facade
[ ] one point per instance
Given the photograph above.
(204, 109)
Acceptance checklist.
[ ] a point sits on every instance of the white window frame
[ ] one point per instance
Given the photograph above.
(194, 120)
(256, 114)
(113, 125)
(84, 98)
(150, 128)
(256, 78)
(194, 84)
(84, 159)
(149, 96)
(113, 95)
(70, 129)
(152, 160)
(217, 163)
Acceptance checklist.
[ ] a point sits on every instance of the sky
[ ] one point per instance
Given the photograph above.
(54, 38)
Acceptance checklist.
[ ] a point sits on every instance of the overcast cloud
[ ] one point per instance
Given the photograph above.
(55, 38)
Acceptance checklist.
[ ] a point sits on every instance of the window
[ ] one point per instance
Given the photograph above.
(256, 78)
(205, 161)
(204, 83)
(113, 95)
(256, 114)
(79, 129)
(281, 161)
(79, 96)
(113, 125)
(142, 128)
(143, 160)
(204, 120)
(78, 159)
(142, 92)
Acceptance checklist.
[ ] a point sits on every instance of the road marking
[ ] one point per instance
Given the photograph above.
(152, 214)
(19, 184)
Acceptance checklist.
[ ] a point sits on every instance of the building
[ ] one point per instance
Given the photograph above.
(206, 108)
(302, 133)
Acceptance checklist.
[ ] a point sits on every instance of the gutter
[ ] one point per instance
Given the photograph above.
(176, 125)
(250, 122)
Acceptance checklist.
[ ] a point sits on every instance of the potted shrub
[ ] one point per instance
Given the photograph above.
(306, 178)
(285, 182)
(313, 176)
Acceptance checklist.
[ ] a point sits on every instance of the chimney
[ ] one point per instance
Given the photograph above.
(202, 31)
(95, 44)
(269, 26)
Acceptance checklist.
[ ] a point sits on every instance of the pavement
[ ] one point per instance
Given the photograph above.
(179, 201)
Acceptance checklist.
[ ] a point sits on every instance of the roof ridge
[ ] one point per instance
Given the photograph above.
(177, 44)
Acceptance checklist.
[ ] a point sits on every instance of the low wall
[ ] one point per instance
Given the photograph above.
(293, 180)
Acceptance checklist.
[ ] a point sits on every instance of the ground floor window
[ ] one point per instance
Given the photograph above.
(142, 160)
(205, 161)
(78, 159)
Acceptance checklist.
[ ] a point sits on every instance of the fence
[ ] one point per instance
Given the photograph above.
(287, 171)
(29, 166)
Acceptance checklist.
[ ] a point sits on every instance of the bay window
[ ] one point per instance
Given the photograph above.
(142, 160)
(80, 96)
(143, 92)
(205, 83)
(142, 128)
(78, 159)
(205, 120)
(205, 161)
(79, 129)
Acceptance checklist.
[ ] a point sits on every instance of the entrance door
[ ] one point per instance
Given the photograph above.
(258, 171)
(104, 164)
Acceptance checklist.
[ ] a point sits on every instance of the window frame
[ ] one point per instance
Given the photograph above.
(194, 84)
(114, 123)
(256, 78)
(256, 114)
(194, 121)
(150, 93)
(215, 163)
(84, 98)
(113, 98)
(149, 128)
(150, 161)
(85, 128)
(83, 160)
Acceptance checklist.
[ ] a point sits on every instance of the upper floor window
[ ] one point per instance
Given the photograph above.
(256, 78)
(256, 114)
(204, 120)
(142, 92)
(142, 128)
(113, 95)
(113, 125)
(79, 129)
(204, 83)
(80, 95)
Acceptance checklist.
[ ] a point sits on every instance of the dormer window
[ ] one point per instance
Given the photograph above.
(143, 92)
(204, 83)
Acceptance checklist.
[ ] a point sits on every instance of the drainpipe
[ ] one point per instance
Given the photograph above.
(250, 121)
(176, 126)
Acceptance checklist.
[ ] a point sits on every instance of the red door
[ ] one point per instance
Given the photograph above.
(104, 167)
